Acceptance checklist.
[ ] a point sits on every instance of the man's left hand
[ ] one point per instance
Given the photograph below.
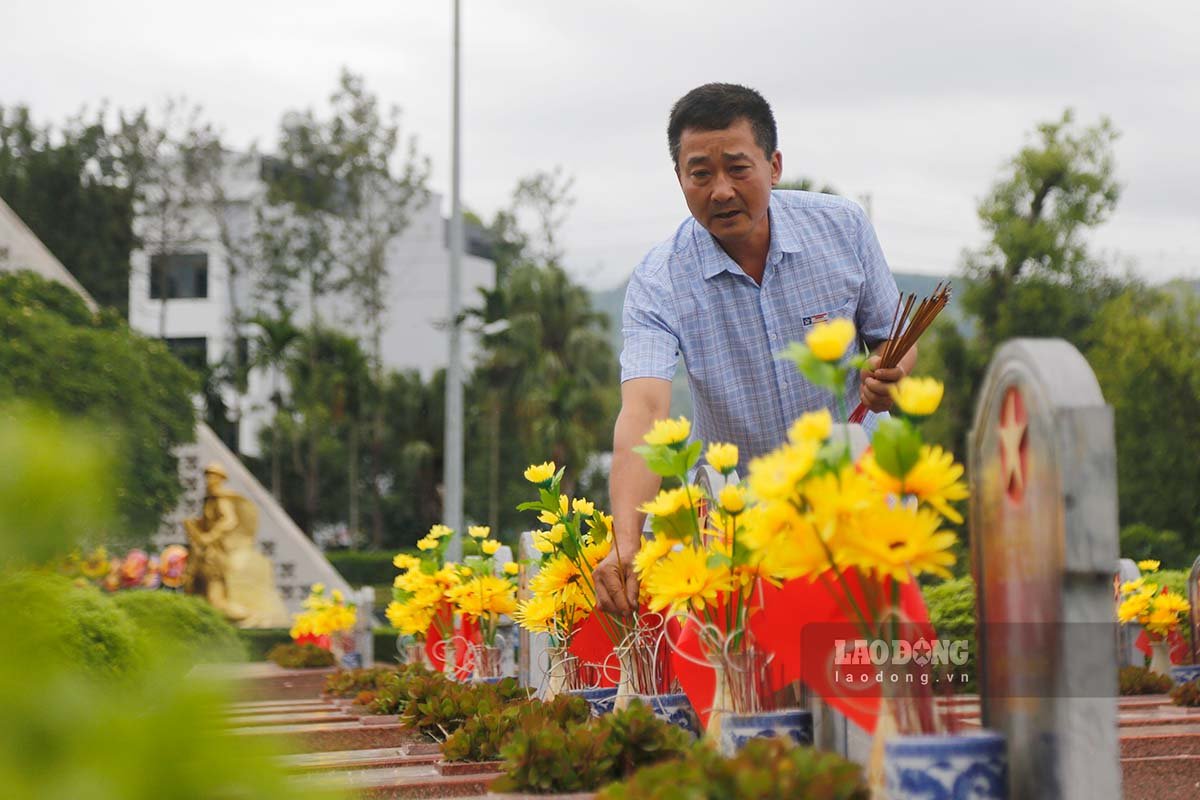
(875, 383)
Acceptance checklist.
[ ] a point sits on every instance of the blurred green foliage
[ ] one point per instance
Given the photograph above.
(92, 707)
(185, 629)
(1140, 541)
(365, 567)
(56, 354)
(952, 613)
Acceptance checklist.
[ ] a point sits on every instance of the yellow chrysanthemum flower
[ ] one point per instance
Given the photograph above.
(484, 595)
(594, 552)
(722, 457)
(815, 426)
(732, 499)
(427, 543)
(900, 543)
(405, 561)
(601, 527)
(934, 480)
(542, 543)
(512, 568)
(581, 505)
(1132, 586)
(776, 475)
(489, 547)
(917, 397)
(669, 432)
(1149, 565)
(540, 473)
(683, 580)
(836, 501)
(649, 554)
(537, 614)
(1134, 607)
(317, 588)
(440, 531)
(667, 502)
(479, 531)
(783, 540)
(828, 340)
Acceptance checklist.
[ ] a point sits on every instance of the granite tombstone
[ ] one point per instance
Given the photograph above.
(1044, 551)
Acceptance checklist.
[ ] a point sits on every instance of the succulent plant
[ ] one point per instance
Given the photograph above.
(765, 769)
(435, 707)
(481, 738)
(548, 756)
(1139, 680)
(350, 682)
(299, 656)
(1187, 694)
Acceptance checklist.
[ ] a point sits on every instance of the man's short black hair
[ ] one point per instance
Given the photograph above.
(716, 106)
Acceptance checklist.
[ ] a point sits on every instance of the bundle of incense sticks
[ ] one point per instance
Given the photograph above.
(906, 332)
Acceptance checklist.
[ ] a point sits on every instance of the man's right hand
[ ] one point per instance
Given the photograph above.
(616, 585)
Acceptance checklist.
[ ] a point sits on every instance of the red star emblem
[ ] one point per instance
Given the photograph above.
(1014, 438)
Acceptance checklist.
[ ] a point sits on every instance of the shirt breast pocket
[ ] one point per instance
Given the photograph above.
(829, 312)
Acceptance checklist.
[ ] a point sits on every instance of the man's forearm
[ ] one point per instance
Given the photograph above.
(631, 484)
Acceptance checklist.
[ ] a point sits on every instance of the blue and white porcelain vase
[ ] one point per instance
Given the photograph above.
(946, 767)
(792, 724)
(674, 709)
(1185, 673)
(601, 700)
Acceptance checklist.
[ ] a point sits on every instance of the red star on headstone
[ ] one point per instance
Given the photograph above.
(1014, 425)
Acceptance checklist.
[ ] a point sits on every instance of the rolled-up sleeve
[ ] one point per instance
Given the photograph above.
(650, 346)
(878, 298)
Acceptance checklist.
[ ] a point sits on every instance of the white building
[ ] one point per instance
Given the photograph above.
(195, 318)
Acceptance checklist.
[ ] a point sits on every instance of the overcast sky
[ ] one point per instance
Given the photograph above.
(918, 104)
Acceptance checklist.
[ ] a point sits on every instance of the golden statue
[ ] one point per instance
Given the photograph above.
(223, 565)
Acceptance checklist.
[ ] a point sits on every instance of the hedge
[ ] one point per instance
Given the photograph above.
(259, 641)
(364, 567)
(182, 627)
(952, 613)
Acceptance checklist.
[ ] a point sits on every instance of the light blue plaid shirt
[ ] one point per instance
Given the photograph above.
(689, 298)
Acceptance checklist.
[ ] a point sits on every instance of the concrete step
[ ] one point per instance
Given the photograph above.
(331, 736)
(290, 718)
(1160, 777)
(357, 759)
(414, 781)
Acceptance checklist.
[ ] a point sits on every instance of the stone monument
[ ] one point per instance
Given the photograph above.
(1044, 551)
(1193, 595)
(1127, 634)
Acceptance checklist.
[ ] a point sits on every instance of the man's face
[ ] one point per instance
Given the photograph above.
(726, 179)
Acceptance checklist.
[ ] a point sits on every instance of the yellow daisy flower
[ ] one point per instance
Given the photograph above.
(683, 580)
(479, 531)
(828, 340)
(917, 397)
(540, 473)
(934, 480)
(489, 547)
(775, 475)
(1149, 565)
(722, 457)
(815, 426)
(670, 432)
(901, 544)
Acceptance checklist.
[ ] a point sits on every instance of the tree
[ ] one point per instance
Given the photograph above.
(1146, 356)
(64, 185)
(378, 204)
(1034, 276)
(125, 384)
(806, 184)
(546, 384)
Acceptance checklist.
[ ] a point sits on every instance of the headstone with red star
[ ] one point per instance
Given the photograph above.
(1044, 542)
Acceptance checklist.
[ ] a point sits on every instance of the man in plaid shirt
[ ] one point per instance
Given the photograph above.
(750, 271)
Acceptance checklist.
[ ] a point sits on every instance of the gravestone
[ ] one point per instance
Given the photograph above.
(532, 660)
(1127, 654)
(1044, 551)
(1193, 593)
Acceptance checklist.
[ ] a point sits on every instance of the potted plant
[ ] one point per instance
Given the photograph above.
(482, 598)
(1158, 610)
(327, 621)
(421, 608)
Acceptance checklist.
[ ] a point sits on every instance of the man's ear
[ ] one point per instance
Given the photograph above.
(776, 168)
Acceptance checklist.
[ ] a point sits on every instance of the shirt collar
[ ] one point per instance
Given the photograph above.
(714, 260)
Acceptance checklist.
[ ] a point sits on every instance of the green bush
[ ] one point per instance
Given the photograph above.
(260, 641)
(765, 769)
(301, 656)
(350, 682)
(81, 625)
(1139, 542)
(182, 627)
(385, 645)
(365, 568)
(431, 704)
(952, 613)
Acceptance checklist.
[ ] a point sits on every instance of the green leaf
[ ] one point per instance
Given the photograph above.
(718, 560)
(897, 447)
